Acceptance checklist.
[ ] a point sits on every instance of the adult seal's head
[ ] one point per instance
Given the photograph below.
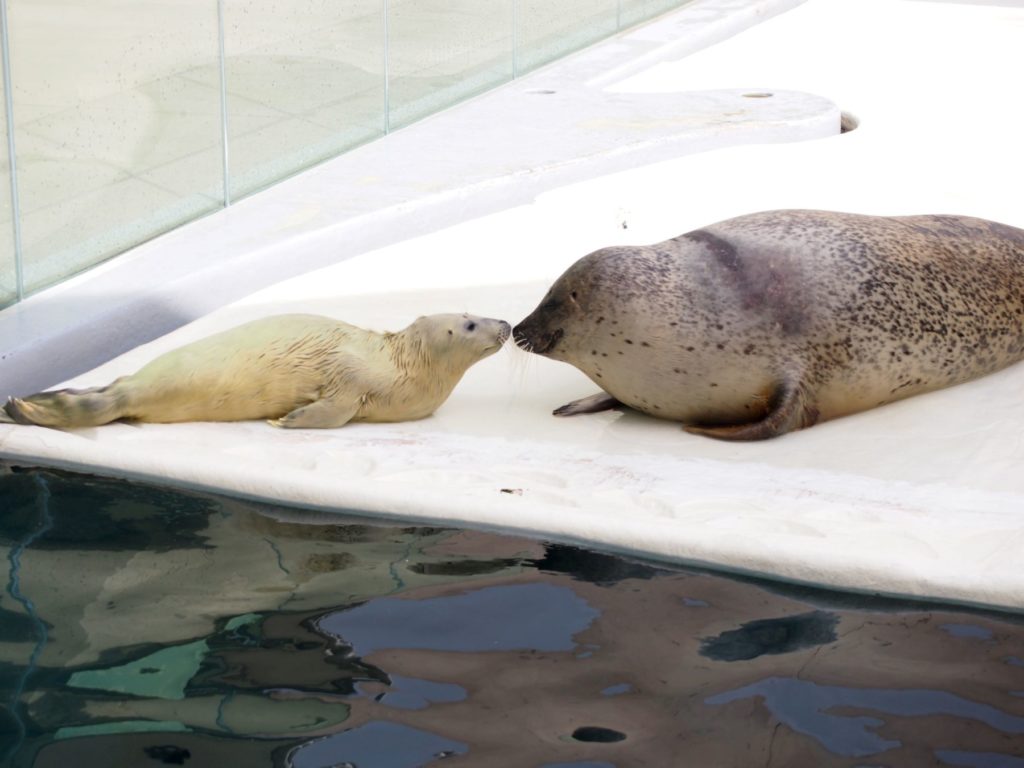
(303, 371)
(585, 301)
(767, 323)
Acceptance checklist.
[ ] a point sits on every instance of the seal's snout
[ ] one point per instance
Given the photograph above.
(504, 331)
(532, 341)
(521, 338)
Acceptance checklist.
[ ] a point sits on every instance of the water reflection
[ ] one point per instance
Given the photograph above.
(376, 743)
(968, 631)
(772, 636)
(147, 627)
(410, 693)
(807, 708)
(979, 759)
(539, 617)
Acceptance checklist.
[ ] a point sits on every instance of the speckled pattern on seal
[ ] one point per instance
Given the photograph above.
(770, 322)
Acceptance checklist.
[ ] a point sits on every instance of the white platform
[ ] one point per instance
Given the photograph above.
(922, 498)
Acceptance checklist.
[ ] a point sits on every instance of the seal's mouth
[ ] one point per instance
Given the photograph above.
(540, 345)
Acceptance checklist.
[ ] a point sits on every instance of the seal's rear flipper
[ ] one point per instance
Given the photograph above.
(67, 408)
(792, 410)
(9, 413)
(602, 401)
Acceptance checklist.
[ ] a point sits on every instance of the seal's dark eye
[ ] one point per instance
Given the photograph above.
(470, 326)
(572, 295)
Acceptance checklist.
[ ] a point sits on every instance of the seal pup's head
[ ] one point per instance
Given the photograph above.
(459, 340)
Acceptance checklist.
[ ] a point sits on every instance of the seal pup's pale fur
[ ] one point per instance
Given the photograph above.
(295, 370)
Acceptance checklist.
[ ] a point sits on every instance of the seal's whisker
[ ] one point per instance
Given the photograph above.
(521, 360)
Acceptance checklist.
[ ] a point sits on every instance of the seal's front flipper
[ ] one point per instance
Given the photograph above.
(320, 414)
(792, 410)
(602, 401)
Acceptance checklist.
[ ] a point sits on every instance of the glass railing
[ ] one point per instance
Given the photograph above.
(124, 120)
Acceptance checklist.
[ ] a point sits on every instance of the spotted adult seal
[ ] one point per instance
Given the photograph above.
(771, 322)
(303, 371)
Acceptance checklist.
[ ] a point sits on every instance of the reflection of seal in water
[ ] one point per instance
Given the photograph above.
(298, 370)
(770, 322)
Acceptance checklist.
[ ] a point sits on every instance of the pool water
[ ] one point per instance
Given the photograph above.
(143, 626)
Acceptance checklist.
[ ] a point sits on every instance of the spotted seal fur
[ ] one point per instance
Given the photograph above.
(774, 321)
(295, 370)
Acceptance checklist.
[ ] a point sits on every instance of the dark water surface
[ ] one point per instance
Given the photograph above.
(142, 626)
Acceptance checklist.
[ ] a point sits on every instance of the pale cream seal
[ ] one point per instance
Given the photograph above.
(295, 370)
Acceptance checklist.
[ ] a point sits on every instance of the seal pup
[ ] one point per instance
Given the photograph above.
(298, 371)
(771, 322)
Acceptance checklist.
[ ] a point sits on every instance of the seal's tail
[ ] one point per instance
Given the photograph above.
(65, 408)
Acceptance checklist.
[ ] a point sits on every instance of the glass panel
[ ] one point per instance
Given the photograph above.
(443, 52)
(305, 81)
(549, 29)
(118, 134)
(117, 103)
(635, 11)
(8, 277)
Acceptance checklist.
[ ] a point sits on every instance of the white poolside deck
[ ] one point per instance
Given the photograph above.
(644, 137)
